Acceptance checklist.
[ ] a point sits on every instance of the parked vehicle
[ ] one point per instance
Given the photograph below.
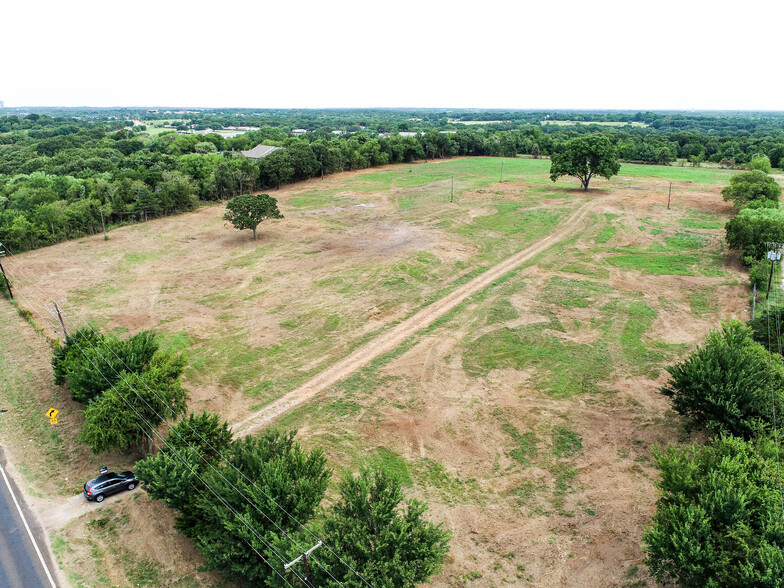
(110, 483)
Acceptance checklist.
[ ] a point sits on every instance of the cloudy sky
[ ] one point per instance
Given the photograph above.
(552, 54)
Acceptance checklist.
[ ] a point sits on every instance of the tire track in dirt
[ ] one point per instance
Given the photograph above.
(395, 336)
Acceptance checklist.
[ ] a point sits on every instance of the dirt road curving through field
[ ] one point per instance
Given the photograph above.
(395, 336)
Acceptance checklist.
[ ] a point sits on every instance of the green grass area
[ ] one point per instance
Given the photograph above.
(563, 368)
(566, 442)
(702, 223)
(572, 293)
(694, 175)
(686, 241)
(316, 199)
(501, 311)
(570, 123)
(657, 264)
(525, 450)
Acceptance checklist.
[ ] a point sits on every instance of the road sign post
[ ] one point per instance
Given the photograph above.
(52, 414)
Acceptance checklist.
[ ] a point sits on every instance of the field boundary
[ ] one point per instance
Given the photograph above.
(390, 339)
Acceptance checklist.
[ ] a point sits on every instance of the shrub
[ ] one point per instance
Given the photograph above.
(728, 386)
(718, 519)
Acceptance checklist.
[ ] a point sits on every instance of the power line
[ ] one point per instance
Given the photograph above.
(211, 447)
(775, 255)
(174, 451)
(154, 430)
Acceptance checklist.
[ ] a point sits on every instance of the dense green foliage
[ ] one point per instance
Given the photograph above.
(751, 229)
(719, 518)
(127, 415)
(246, 211)
(130, 387)
(91, 363)
(753, 188)
(768, 327)
(584, 158)
(261, 481)
(729, 385)
(387, 542)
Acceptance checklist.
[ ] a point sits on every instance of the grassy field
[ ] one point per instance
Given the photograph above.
(566, 123)
(526, 416)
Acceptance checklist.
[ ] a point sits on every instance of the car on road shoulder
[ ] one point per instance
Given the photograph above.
(110, 483)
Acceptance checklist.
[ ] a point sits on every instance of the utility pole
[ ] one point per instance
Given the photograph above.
(774, 255)
(7, 283)
(452, 195)
(304, 558)
(103, 226)
(59, 316)
(669, 196)
(502, 171)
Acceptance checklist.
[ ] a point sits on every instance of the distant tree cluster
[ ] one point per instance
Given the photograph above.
(59, 175)
(270, 491)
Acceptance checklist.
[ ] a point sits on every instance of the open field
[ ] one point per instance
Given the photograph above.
(566, 123)
(525, 415)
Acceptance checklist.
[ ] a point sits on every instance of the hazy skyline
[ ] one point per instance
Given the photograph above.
(556, 55)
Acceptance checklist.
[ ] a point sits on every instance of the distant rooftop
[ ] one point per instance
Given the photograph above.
(260, 151)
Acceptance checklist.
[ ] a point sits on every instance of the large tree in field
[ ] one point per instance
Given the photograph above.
(246, 211)
(584, 158)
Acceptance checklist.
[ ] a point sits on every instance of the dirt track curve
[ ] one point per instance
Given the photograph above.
(391, 339)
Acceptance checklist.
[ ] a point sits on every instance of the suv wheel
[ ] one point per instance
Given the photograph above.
(132, 485)
(99, 498)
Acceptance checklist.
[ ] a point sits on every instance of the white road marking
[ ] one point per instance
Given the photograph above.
(29, 532)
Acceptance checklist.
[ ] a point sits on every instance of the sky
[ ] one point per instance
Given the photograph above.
(555, 54)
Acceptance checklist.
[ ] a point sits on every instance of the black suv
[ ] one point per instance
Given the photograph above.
(106, 484)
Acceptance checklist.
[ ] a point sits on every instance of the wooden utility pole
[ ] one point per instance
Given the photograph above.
(502, 171)
(304, 558)
(59, 316)
(774, 255)
(7, 283)
(669, 196)
(103, 226)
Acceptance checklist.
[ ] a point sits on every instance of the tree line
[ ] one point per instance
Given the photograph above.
(64, 178)
(719, 518)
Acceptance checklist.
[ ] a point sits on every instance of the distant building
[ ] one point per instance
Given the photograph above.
(338, 132)
(408, 134)
(298, 131)
(260, 151)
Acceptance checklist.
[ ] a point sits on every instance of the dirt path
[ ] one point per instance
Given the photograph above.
(391, 339)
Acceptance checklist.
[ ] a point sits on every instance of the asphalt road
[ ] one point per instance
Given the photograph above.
(21, 556)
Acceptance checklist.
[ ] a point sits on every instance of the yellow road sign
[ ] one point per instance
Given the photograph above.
(52, 413)
(53, 421)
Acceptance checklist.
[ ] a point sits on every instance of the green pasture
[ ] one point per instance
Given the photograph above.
(571, 123)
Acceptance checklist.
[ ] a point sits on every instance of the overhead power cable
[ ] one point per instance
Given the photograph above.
(242, 474)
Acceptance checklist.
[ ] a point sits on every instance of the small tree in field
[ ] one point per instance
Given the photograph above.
(584, 158)
(246, 211)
